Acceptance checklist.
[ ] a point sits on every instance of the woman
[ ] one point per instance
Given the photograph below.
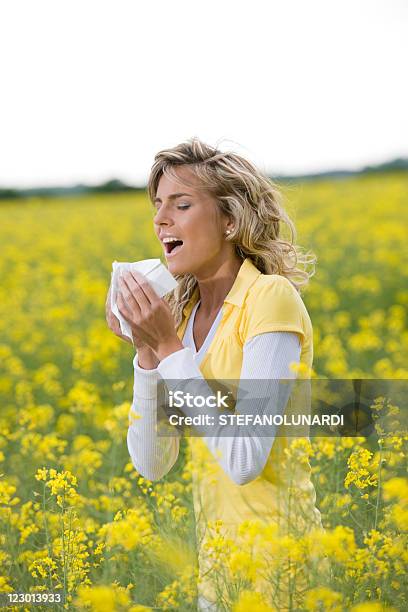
(236, 315)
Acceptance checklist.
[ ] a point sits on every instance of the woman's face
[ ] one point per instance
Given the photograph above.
(193, 217)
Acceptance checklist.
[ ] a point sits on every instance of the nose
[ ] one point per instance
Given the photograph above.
(161, 217)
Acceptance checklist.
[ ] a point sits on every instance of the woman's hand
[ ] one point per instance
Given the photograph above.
(149, 316)
(112, 320)
(146, 358)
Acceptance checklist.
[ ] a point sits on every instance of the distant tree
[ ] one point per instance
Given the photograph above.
(9, 194)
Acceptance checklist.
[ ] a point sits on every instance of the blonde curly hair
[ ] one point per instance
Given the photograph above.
(251, 199)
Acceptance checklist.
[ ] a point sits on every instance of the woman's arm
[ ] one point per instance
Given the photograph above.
(153, 456)
(241, 451)
(266, 356)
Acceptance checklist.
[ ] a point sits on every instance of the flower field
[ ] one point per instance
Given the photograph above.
(77, 518)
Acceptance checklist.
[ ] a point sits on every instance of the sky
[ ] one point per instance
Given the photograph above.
(92, 90)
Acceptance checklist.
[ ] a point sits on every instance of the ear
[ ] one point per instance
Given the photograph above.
(228, 222)
(230, 226)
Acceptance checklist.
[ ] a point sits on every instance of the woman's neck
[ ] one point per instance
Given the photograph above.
(215, 285)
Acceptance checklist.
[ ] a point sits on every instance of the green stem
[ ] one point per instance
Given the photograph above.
(377, 505)
(47, 537)
(63, 548)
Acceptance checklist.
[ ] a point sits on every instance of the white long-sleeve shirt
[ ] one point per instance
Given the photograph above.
(266, 356)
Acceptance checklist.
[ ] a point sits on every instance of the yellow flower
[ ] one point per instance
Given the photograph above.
(41, 474)
(249, 601)
(5, 587)
(372, 606)
(396, 488)
(361, 469)
(243, 565)
(322, 598)
(129, 531)
(101, 598)
(338, 543)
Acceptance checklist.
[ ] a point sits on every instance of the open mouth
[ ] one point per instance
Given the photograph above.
(173, 247)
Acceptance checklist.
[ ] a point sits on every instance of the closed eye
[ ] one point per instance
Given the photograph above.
(182, 206)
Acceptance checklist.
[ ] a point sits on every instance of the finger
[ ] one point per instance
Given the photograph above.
(129, 296)
(136, 290)
(107, 303)
(123, 307)
(112, 317)
(146, 287)
(113, 323)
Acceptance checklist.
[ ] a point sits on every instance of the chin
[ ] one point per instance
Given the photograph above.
(183, 263)
(177, 267)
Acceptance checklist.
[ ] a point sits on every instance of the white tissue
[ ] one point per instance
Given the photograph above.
(158, 276)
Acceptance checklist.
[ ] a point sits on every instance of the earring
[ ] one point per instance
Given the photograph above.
(227, 233)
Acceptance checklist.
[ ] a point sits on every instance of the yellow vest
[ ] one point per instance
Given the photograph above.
(256, 303)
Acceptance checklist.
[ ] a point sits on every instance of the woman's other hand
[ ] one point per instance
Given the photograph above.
(112, 320)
